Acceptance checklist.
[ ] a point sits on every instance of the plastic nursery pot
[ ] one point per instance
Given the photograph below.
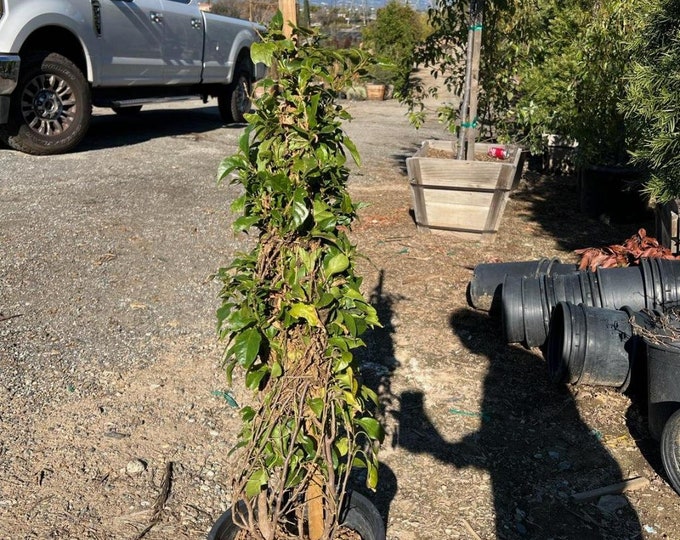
(595, 346)
(663, 373)
(359, 514)
(613, 191)
(670, 449)
(527, 303)
(484, 289)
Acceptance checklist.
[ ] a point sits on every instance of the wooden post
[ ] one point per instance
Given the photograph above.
(477, 12)
(289, 11)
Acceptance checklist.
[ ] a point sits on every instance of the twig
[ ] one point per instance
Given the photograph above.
(469, 529)
(159, 504)
(613, 489)
(8, 317)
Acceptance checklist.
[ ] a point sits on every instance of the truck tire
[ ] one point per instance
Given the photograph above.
(234, 102)
(51, 107)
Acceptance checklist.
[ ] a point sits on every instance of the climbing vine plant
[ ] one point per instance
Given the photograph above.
(292, 310)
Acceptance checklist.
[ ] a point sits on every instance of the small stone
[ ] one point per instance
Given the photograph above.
(611, 503)
(135, 467)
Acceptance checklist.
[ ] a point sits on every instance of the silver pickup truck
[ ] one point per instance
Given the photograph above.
(58, 58)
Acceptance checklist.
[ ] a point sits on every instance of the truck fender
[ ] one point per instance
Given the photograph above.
(52, 21)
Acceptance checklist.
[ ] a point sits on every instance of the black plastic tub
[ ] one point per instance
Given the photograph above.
(359, 514)
(484, 289)
(527, 303)
(594, 346)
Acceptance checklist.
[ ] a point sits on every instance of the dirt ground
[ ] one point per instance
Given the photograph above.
(133, 441)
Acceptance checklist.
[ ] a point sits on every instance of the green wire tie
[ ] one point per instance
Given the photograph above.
(476, 27)
(226, 396)
(472, 124)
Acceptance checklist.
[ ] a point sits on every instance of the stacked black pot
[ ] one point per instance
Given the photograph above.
(606, 327)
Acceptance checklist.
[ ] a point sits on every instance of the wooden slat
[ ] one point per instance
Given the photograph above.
(465, 198)
(461, 173)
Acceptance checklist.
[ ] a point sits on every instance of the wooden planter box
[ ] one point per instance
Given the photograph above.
(375, 92)
(667, 225)
(463, 198)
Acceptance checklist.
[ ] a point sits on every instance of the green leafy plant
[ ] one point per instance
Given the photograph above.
(292, 310)
(653, 97)
(547, 66)
(392, 37)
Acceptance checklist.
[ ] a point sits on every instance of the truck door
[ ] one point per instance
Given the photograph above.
(182, 41)
(131, 38)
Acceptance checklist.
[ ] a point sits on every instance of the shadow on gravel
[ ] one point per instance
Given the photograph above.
(533, 443)
(113, 130)
(554, 202)
(378, 364)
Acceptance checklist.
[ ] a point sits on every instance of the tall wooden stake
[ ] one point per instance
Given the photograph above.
(289, 11)
(477, 17)
(468, 111)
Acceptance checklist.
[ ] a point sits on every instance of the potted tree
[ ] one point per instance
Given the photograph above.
(651, 104)
(608, 183)
(292, 310)
(465, 193)
(391, 37)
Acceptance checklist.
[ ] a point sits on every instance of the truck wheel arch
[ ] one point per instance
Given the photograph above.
(59, 40)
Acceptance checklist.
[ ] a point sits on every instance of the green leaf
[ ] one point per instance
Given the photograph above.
(336, 264)
(256, 482)
(342, 445)
(372, 476)
(277, 370)
(305, 311)
(372, 427)
(263, 52)
(300, 210)
(352, 150)
(244, 223)
(316, 405)
(246, 347)
(254, 377)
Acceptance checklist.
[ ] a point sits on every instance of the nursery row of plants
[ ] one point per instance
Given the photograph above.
(599, 73)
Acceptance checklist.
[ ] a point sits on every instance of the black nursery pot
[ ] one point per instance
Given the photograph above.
(613, 191)
(663, 374)
(663, 379)
(594, 346)
(359, 514)
(587, 345)
(527, 303)
(484, 289)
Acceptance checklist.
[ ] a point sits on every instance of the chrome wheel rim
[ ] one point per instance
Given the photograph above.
(48, 105)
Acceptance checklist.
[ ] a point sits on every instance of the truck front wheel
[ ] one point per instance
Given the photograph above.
(234, 102)
(51, 106)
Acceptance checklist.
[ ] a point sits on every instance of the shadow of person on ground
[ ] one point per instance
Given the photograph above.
(378, 363)
(532, 442)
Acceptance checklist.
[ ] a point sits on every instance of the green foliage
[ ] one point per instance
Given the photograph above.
(653, 98)
(547, 66)
(292, 309)
(392, 37)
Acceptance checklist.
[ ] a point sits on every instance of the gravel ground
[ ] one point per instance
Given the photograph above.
(109, 370)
